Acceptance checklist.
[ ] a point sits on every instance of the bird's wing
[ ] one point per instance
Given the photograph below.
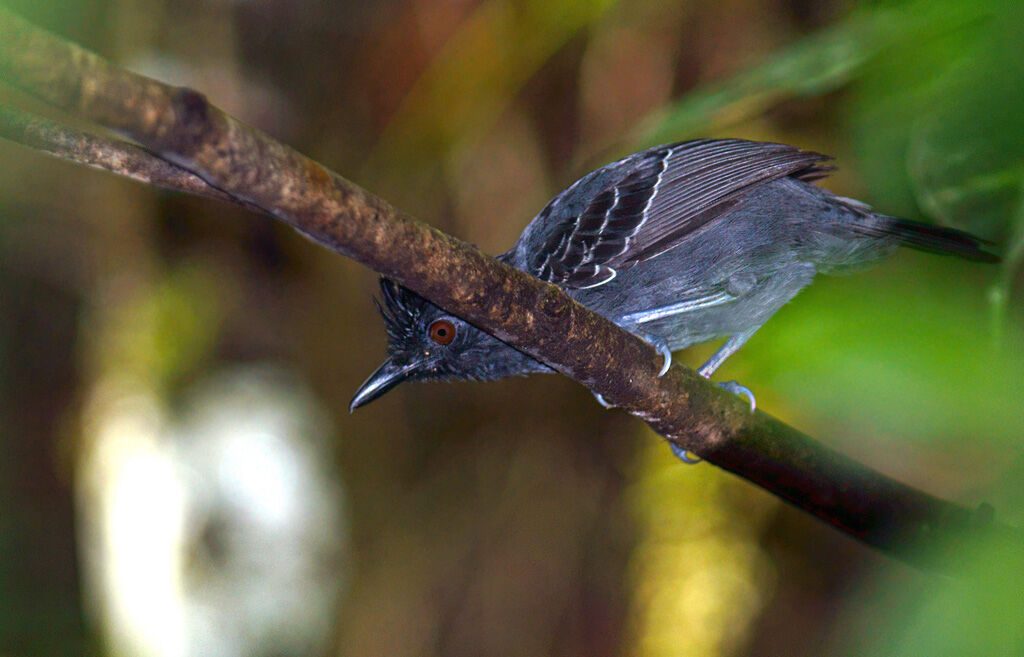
(645, 204)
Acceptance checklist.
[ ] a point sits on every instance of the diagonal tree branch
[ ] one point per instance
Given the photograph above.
(114, 155)
(181, 127)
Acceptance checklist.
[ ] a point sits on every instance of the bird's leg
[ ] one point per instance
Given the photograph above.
(731, 346)
(632, 321)
(601, 400)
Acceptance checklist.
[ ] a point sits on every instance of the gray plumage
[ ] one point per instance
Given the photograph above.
(680, 244)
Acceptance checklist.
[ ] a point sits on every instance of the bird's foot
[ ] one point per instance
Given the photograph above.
(735, 388)
(662, 347)
(683, 455)
(741, 390)
(601, 400)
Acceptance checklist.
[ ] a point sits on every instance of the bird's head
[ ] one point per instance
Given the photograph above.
(425, 343)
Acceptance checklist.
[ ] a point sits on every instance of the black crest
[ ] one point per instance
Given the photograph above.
(401, 310)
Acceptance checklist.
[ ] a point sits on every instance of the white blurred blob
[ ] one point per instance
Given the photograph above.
(219, 531)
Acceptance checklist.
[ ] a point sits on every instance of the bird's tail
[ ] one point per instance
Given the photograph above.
(928, 237)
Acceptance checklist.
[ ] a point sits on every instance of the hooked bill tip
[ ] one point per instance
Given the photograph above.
(384, 378)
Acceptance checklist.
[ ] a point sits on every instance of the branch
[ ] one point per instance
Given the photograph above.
(180, 126)
(120, 157)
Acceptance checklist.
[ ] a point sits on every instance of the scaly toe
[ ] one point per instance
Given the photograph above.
(737, 389)
(601, 400)
(683, 455)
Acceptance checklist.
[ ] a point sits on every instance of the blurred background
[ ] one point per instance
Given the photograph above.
(179, 474)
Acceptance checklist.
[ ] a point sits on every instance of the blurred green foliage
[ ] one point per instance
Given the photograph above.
(818, 64)
(159, 334)
(952, 104)
(934, 110)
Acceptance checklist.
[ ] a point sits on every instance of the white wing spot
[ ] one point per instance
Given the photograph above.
(654, 191)
(609, 275)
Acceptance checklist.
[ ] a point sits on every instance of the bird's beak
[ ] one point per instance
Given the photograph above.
(386, 377)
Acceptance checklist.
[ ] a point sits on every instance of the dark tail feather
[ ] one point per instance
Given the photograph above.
(928, 237)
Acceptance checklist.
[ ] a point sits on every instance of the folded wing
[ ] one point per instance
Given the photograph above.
(645, 204)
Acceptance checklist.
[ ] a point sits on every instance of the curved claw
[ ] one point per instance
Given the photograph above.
(666, 354)
(684, 455)
(601, 400)
(741, 390)
(658, 343)
(662, 347)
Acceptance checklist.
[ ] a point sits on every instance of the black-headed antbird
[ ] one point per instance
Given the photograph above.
(679, 244)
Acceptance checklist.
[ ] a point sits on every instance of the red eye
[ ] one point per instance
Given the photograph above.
(442, 331)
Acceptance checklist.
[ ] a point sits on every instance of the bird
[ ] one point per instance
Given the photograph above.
(679, 244)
